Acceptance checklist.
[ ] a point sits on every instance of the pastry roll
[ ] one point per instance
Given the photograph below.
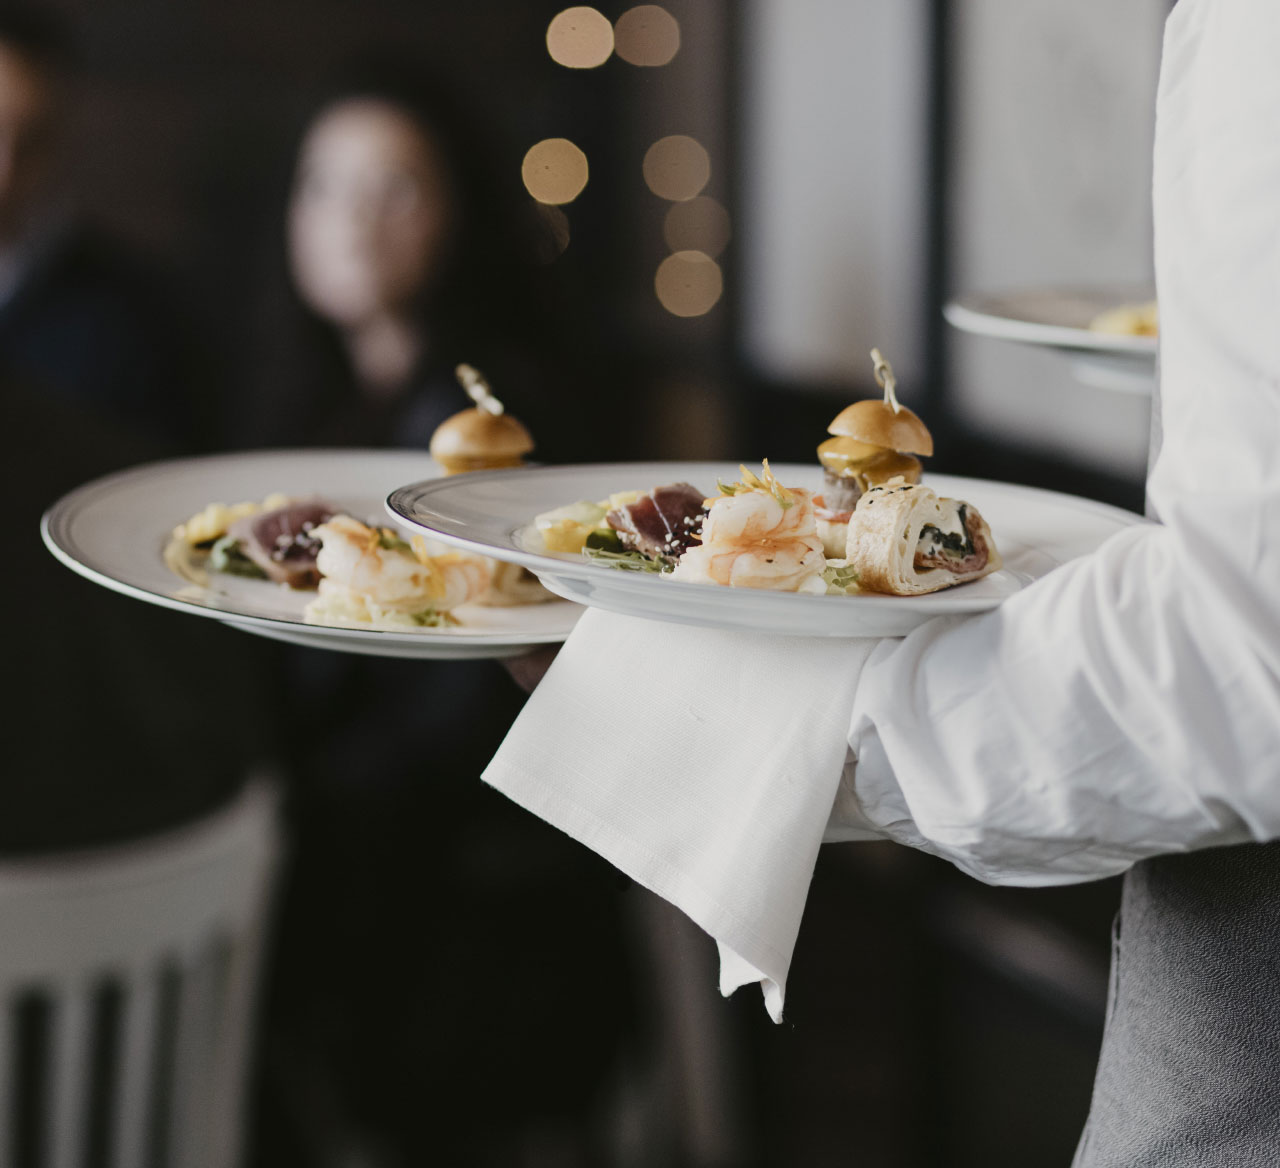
(904, 539)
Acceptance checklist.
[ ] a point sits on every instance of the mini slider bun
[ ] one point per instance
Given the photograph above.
(874, 441)
(484, 437)
(478, 440)
(874, 423)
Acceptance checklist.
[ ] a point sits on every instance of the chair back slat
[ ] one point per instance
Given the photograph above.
(143, 962)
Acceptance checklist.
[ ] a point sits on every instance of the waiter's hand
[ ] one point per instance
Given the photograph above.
(528, 669)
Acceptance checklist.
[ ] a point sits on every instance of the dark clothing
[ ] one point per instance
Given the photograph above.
(451, 974)
(316, 406)
(95, 329)
(1189, 1075)
(122, 719)
(126, 719)
(407, 419)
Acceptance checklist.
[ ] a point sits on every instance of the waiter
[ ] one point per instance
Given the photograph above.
(1123, 715)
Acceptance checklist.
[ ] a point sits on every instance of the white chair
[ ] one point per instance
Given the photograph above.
(174, 926)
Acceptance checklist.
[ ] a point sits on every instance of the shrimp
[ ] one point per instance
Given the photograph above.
(758, 534)
(389, 574)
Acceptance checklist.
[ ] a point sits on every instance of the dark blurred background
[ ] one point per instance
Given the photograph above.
(774, 187)
(859, 165)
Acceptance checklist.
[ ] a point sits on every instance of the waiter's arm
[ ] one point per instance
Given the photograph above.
(1129, 704)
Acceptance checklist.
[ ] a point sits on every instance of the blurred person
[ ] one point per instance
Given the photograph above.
(407, 253)
(420, 1011)
(80, 317)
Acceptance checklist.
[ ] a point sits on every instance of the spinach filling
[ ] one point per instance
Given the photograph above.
(952, 543)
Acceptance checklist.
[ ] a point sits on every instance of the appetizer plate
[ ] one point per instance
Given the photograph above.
(1058, 319)
(114, 531)
(493, 512)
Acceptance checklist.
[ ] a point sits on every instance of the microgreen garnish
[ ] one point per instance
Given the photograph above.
(429, 618)
(631, 561)
(840, 578)
(390, 541)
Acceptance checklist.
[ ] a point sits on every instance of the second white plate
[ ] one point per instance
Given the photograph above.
(1058, 319)
(114, 530)
(493, 512)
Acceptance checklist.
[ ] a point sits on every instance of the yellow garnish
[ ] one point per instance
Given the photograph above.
(212, 523)
(1138, 320)
(620, 499)
(435, 577)
(566, 535)
(752, 482)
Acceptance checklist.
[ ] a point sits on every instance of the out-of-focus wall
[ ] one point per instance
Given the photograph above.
(1050, 161)
(1046, 135)
(833, 198)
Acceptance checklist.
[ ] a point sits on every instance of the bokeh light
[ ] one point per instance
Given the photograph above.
(646, 35)
(676, 167)
(580, 38)
(700, 224)
(688, 283)
(554, 171)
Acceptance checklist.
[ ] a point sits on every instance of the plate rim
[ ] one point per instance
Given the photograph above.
(965, 312)
(59, 513)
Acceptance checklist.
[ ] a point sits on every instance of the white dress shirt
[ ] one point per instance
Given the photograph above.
(1129, 703)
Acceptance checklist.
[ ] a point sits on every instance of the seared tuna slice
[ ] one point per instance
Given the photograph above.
(663, 523)
(280, 541)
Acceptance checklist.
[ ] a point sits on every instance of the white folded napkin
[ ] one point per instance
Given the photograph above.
(702, 763)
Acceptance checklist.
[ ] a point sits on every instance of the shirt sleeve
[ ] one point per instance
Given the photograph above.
(1128, 704)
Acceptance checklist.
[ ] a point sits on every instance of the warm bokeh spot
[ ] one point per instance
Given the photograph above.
(646, 35)
(688, 283)
(676, 167)
(580, 38)
(554, 171)
(700, 224)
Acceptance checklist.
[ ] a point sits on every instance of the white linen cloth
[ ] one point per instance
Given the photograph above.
(1129, 703)
(703, 763)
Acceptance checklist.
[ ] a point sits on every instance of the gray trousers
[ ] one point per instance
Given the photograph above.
(1189, 1073)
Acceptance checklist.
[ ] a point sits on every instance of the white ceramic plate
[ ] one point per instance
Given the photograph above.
(114, 531)
(1058, 318)
(493, 512)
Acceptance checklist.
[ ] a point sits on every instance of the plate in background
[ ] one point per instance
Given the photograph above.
(1058, 319)
(114, 531)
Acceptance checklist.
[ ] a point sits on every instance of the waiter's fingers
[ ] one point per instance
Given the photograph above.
(528, 669)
